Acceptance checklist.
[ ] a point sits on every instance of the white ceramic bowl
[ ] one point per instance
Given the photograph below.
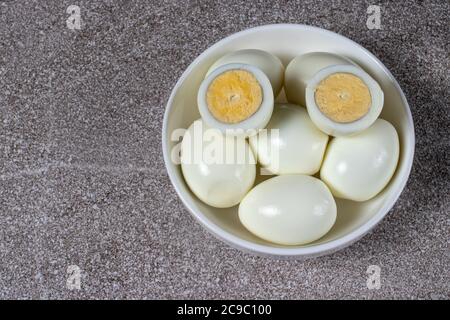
(287, 41)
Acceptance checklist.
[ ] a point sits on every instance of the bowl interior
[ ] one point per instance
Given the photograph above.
(288, 41)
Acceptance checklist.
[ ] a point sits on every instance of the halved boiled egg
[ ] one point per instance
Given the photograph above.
(302, 69)
(237, 99)
(265, 61)
(358, 167)
(292, 144)
(219, 170)
(289, 210)
(343, 100)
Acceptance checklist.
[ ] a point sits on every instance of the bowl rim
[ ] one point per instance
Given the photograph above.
(287, 252)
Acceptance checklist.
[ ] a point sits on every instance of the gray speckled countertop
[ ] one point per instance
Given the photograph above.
(82, 178)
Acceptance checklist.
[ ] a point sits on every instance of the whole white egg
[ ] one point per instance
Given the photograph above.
(291, 143)
(358, 167)
(289, 210)
(218, 169)
(268, 63)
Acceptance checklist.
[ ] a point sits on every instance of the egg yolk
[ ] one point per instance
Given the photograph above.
(234, 96)
(343, 97)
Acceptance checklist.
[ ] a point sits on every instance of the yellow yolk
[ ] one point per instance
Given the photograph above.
(234, 96)
(343, 97)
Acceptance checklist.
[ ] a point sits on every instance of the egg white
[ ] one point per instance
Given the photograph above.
(358, 167)
(297, 147)
(221, 183)
(289, 210)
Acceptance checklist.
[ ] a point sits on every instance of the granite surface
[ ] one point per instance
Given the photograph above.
(82, 178)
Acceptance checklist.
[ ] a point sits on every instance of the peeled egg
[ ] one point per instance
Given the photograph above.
(219, 170)
(289, 210)
(292, 144)
(263, 60)
(303, 68)
(343, 100)
(237, 99)
(358, 167)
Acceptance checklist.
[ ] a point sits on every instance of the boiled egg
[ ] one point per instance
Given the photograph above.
(237, 99)
(265, 61)
(358, 167)
(219, 170)
(291, 143)
(343, 100)
(289, 210)
(302, 69)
